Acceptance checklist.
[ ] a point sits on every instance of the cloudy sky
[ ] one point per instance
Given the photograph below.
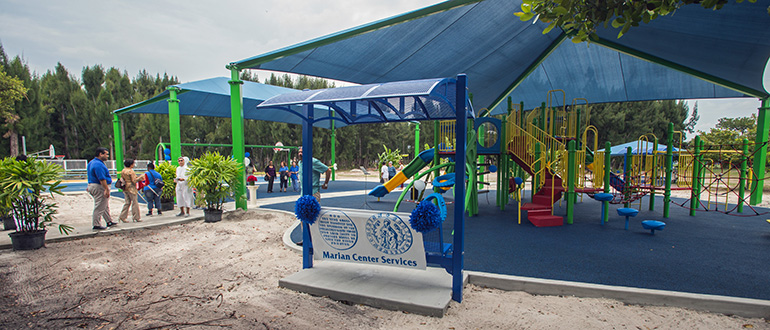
(194, 40)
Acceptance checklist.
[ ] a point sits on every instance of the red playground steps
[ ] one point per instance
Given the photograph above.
(539, 211)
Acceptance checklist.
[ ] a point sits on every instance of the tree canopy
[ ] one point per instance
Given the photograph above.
(12, 90)
(580, 18)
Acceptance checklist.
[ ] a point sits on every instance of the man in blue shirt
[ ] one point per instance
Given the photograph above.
(99, 181)
(318, 168)
(294, 170)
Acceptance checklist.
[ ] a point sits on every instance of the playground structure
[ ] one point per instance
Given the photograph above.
(557, 151)
(483, 156)
(551, 145)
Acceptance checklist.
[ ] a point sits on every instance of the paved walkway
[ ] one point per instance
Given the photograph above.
(168, 218)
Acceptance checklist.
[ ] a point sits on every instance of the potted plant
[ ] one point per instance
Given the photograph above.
(22, 184)
(251, 180)
(215, 178)
(5, 212)
(8, 223)
(168, 192)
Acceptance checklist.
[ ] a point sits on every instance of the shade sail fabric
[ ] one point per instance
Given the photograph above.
(637, 148)
(728, 47)
(211, 97)
(426, 99)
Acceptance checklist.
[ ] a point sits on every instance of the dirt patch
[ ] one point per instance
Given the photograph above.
(225, 275)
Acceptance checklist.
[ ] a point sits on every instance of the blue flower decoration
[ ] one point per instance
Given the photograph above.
(425, 217)
(307, 209)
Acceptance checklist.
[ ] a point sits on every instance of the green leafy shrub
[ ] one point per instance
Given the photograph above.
(168, 173)
(215, 177)
(21, 185)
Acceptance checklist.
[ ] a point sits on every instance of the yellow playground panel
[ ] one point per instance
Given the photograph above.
(447, 132)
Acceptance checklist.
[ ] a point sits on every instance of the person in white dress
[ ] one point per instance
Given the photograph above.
(384, 173)
(184, 194)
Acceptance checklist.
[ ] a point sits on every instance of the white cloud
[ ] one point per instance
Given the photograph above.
(189, 39)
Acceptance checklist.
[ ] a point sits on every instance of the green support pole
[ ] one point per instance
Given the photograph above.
(577, 124)
(436, 158)
(669, 169)
(519, 170)
(417, 139)
(570, 181)
(607, 169)
(742, 178)
(542, 117)
(236, 119)
(502, 170)
(334, 154)
(702, 171)
(480, 158)
(652, 177)
(537, 166)
(173, 123)
(118, 140)
(695, 195)
(760, 158)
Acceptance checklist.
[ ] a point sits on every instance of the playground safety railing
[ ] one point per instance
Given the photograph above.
(531, 116)
(684, 170)
(565, 123)
(549, 143)
(446, 136)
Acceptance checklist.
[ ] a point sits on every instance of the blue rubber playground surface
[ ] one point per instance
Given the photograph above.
(711, 253)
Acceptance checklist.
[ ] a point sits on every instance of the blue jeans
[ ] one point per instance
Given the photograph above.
(295, 184)
(152, 199)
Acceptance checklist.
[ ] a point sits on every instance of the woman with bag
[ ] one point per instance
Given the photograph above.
(284, 171)
(270, 176)
(184, 194)
(151, 190)
(129, 179)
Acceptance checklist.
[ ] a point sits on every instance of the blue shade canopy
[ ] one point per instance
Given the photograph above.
(693, 53)
(211, 97)
(637, 148)
(425, 99)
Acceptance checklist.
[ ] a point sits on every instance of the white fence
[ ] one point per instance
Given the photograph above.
(78, 167)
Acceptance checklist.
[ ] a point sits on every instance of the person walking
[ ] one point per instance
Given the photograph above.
(131, 199)
(151, 191)
(391, 170)
(184, 194)
(318, 168)
(99, 182)
(270, 172)
(384, 177)
(284, 173)
(293, 171)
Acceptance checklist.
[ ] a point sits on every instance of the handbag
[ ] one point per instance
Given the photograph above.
(267, 177)
(158, 182)
(120, 184)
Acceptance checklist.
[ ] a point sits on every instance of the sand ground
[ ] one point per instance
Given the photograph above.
(225, 275)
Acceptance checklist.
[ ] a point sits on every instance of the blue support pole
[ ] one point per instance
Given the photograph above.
(307, 181)
(459, 227)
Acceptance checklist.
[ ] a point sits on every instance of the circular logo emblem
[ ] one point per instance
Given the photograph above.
(388, 233)
(337, 230)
